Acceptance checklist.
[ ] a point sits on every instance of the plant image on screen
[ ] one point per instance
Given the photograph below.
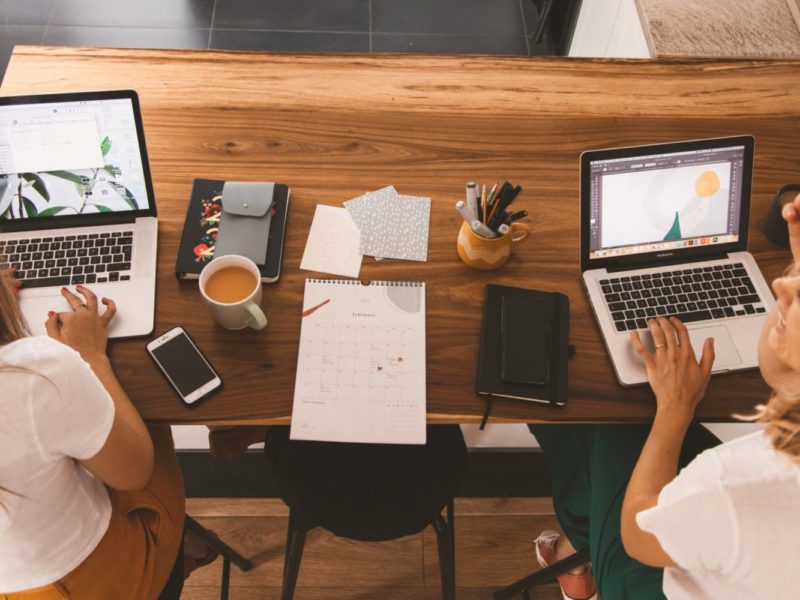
(77, 191)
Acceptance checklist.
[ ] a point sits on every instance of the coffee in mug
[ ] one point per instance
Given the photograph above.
(231, 288)
(231, 284)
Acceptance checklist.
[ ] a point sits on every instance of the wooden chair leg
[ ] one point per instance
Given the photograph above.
(295, 541)
(446, 557)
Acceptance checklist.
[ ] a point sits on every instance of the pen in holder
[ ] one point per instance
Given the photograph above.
(489, 253)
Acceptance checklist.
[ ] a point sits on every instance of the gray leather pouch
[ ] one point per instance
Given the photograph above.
(244, 223)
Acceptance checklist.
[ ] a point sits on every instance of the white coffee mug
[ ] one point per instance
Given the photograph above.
(243, 313)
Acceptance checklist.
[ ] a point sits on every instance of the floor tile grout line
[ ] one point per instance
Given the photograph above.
(47, 25)
(339, 31)
(239, 29)
(143, 27)
(524, 27)
(388, 33)
(211, 24)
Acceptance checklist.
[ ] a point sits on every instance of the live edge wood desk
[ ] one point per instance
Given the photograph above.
(335, 126)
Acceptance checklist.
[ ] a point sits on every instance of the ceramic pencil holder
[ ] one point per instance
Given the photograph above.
(487, 254)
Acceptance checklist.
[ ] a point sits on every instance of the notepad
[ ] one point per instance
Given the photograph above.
(524, 345)
(361, 363)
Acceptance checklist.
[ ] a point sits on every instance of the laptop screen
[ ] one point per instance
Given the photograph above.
(72, 155)
(665, 201)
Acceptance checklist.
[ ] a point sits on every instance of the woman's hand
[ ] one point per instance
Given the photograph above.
(791, 214)
(10, 276)
(82, 328)
(676, 377)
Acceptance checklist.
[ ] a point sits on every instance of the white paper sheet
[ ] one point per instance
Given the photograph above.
(333, 242)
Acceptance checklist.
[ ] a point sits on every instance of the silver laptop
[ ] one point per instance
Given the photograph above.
(664, 233)
(77, 204)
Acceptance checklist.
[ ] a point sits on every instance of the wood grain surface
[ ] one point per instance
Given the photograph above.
(335, 126)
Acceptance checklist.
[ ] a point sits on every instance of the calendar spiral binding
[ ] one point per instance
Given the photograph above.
(378, 283)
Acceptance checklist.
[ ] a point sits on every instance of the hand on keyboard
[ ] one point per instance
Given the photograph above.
(691, 294)
(70, 259)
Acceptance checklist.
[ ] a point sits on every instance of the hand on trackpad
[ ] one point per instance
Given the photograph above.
(725, 354)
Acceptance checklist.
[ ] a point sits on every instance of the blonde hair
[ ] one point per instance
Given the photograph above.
(12, 324)
(12, 327)
(782, 417)
(782, 412)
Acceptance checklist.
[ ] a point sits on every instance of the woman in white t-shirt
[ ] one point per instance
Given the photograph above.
(91, 504)
(727, 526)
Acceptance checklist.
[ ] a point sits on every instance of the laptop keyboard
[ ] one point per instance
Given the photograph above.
(69, 259)
(696, 294)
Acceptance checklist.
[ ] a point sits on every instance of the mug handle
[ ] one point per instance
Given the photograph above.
(522, 230)
(257, 319)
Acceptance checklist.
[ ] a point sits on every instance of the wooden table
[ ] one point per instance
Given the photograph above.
(335, 126)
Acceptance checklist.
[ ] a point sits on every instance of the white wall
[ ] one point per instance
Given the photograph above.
(609, 28)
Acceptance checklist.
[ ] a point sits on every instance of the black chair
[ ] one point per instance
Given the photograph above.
(228, 554)
(174, 586)
(368, 492)
(523, 586)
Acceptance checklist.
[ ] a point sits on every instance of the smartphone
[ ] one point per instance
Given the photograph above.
(187, 370)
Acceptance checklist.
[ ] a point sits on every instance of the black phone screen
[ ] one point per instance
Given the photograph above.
(183, 364)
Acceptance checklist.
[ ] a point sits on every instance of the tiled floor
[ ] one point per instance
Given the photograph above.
(436, 26)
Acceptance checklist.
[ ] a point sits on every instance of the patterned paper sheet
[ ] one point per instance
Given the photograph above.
(360, 208)
(392, 225)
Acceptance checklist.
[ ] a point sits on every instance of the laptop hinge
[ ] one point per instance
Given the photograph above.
(65, 223)
(677, 263)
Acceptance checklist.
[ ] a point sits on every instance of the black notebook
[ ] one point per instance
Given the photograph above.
(524, 345)
(202, 223)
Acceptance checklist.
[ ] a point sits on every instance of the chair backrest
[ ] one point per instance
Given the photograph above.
(370, 492)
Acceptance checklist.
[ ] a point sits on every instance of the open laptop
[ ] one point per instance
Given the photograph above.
(77, 204)
(663, 233)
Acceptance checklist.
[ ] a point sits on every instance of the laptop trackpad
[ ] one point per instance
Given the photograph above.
(35, 309)
(725, 354)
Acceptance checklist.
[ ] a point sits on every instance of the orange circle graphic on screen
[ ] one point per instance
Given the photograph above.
(707, 184)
